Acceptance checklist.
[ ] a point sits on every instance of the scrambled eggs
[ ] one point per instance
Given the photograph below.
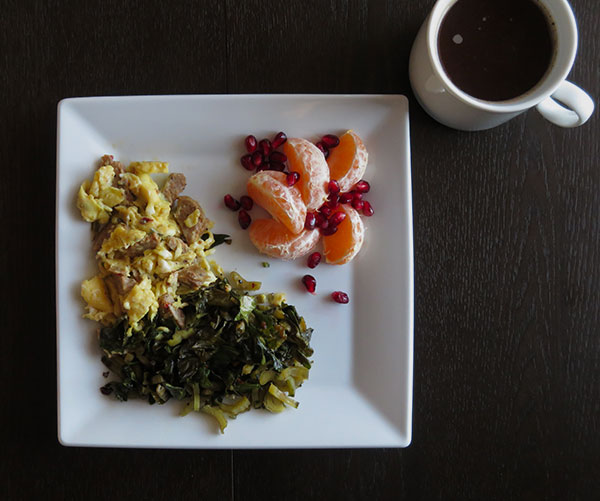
(151, 245)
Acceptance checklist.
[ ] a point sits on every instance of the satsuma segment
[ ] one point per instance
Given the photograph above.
(274, 239)
(306, 159)
(283, 202)
(344, 244)
(348, 161)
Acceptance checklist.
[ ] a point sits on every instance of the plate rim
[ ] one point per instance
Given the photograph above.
(407, 178)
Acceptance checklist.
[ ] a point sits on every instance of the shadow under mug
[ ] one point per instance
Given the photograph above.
(451, 106)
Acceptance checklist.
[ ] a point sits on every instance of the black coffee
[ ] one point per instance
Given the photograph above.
(496, 49)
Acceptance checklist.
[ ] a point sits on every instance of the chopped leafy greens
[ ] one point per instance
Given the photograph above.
(220, 238)
(235, 352)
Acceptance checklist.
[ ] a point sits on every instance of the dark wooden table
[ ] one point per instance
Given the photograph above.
(507, 256)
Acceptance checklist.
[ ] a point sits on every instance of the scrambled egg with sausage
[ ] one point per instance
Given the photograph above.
(151, 244)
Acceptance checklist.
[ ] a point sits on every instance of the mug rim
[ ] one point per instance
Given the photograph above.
(566, 30)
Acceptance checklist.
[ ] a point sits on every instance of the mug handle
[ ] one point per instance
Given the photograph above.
(578, 100)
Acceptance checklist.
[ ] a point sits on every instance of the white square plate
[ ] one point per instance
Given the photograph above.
(360, 389)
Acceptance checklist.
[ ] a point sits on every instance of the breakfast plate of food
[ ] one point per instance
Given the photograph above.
(234, 271)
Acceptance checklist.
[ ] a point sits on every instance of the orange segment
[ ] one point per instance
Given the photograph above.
(270, 190)
(306, 159)
(273, 239)
(348, 161)
(344, 244)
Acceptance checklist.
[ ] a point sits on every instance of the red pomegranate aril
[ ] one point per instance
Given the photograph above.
(314, 259)
(333, 203)
(231, 203)
(279, 139)
(244, 219)
(311, 221)
(247, 202)
(277, 156)
(337, 218)
(321, 221)
(257, 158)
(367, 209)
(330, 230)
(323, 148)
(357, 204)
(325, 210)
(278, 166)
(246, 161)
(251, 143)
(362, 186)
(265, 146)
(334, 187)
(310, 283)
(292, 178)
(357, 196)
(346, 198)
(340, 297)
(330, 140)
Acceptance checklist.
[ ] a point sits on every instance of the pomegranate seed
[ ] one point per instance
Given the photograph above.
(346, 198)
(275, 166)
(356, 195)
(257, 158)
(314, 259)
(337, 218)
(311, 221)
(251, 143)
(321, 221)
(231, 203)
(246, 161)
(334, 187)
(277, 156)
(357, 204)
(329, 231)
(292, 178)
(278, 166)
(244, 219)
(367, 209)
(330, 140)
(340, 297)
(333, 202)
(323, 148)
(279, 139)
(146, 220)
(310, 283)
(325, 210)
(265, 147)
(362, 186)
(247, 202)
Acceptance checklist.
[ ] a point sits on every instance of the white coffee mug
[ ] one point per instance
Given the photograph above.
(449, 105)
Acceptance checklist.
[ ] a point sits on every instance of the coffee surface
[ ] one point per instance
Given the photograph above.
(496, 49)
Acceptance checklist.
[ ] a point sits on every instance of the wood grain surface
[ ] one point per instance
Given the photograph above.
(507, 256)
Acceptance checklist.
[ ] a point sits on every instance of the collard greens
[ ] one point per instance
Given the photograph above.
(235, 352)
